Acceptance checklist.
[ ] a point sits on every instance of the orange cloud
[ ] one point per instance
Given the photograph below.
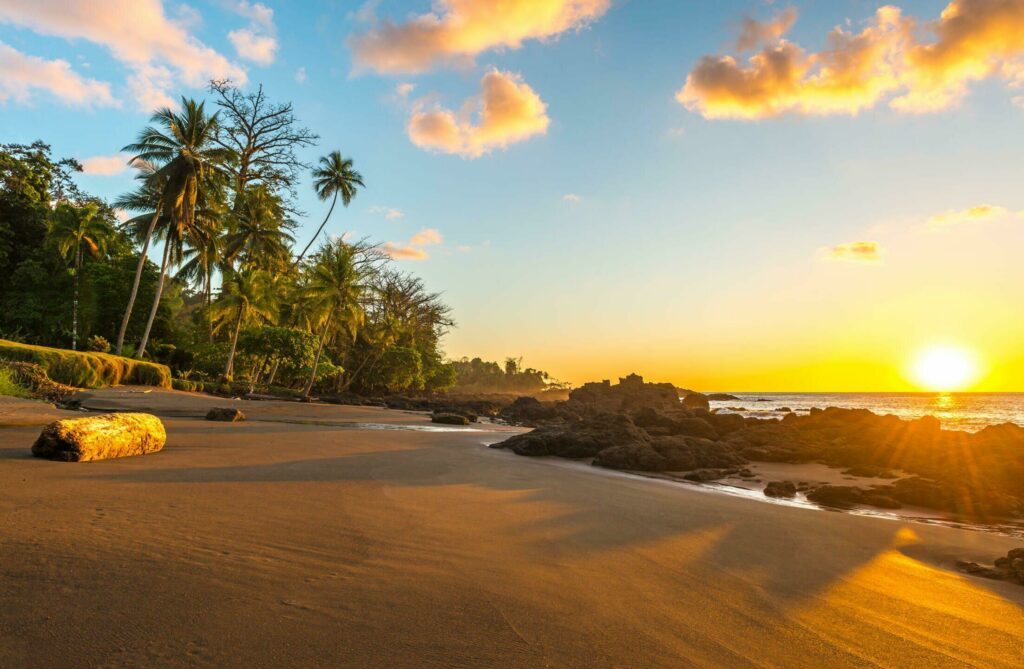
(257, 42)
(159, 51)
(855, 252)
(400, 252)
(507, 111)
(971, 40)
(457, 30)
(105, 165)
(21, 74)
(981, 213)
(414, 250)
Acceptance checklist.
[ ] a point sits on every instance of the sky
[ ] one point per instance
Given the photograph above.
(728, 194)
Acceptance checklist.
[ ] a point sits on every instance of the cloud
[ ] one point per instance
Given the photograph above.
(572, 197)
(258, 41)
(389, 213)
(21, 74)
(414, 248)
(404, 90)
(300, 75)
(457, 30)
(106, 165)
(507, 111)
(971, 40)
(159, 51)
(981, 213)
(426, 237)
(754, 33)
(855, 252)
(399, 252)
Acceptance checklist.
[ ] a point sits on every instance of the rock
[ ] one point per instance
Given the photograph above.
(696, 401)
(528, 410)
(784, 410)
(727, 423)
(683, 453)
(114, 435)
(721, 397)
(449, 419)
(870, 471)
(636, 457)
(694, 427)
(839, 496)
(225, 414)
(780, 489)
(455, 411)
(584, 439)
(1015, 553)
(880, 501)
(630, 394)
(702, 475)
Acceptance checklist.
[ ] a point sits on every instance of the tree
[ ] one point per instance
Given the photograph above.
(333, 294)
(200, 263)
(182, 145)
(335, 176)
(76, 231)
(259, 239)
(263, 137)
(245, 295)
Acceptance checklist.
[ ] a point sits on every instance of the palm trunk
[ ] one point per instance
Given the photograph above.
(135, 286)
(316, 363)
(74, 300)
(229, 369)
(209, 303)
(318, 231)
(156, 299)
(273, 372)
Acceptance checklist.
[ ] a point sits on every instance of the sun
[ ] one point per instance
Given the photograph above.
(945, 368)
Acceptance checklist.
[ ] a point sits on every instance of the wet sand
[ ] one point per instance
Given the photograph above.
(311, 536)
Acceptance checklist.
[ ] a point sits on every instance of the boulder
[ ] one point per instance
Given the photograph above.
(780, 489)
(839, 496)
(456, 411)
(683, 453)
(449, 419)
(225, 414)
(114, 435)
(584, 439)
(721, 397)
(528, 410)
(696, 401)
(637, 457)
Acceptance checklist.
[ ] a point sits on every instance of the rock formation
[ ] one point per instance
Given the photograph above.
(114, 435)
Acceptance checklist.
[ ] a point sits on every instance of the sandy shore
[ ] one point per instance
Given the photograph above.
(323, 536)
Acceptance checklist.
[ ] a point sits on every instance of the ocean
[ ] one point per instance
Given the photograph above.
(957, 411)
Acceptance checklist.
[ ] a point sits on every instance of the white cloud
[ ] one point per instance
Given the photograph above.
(414, 248)
(258, 41)
(105, 165)
(389, 213)
(22, 74)
(300, 75)
(159, 51)
(572, 197)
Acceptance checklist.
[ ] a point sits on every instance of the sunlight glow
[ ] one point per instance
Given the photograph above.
(945, 368)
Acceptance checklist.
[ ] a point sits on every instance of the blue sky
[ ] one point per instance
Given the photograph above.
(633, 232)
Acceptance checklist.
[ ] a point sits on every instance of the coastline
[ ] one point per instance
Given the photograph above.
(276, 543)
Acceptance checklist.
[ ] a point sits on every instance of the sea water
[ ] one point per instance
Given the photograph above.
(956, 411)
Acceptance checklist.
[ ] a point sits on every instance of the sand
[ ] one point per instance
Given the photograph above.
(294, 539)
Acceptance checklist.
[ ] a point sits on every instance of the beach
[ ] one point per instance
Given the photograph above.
(325, 536)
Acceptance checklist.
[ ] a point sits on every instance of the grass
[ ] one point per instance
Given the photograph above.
(87, 369)
(8, 388)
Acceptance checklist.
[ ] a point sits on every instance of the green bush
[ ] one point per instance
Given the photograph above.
(8, 386)
(98, 344)
(185, 384)
(87, 369)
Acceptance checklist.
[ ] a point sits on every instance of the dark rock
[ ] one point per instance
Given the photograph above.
(780, 489)
(696, 401)
(636, 457)
(684, 453)
(839, 496)
(580, 440)
(528, 409)
(870, 471)
(225, 414)
(721, 397)
(703, 475)
(880, 501)
(449, 419)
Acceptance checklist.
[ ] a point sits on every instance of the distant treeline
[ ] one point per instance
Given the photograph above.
(477, 375)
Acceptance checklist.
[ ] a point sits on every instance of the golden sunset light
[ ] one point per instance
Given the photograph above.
(945, 368)
(502, 334)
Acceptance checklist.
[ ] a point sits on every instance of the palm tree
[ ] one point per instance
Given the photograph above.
(333, 294)
(145, 198)
(201, 260)
(245, 295)
(259, 238)
(76, 231)
(335, 176)
(183, 146)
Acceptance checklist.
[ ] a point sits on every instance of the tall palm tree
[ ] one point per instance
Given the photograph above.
(245, 295)
(335, 176)
(77, 231)
(145, 198)
(333, 292)
(259, 238)
(189, 161)
(200, 262)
